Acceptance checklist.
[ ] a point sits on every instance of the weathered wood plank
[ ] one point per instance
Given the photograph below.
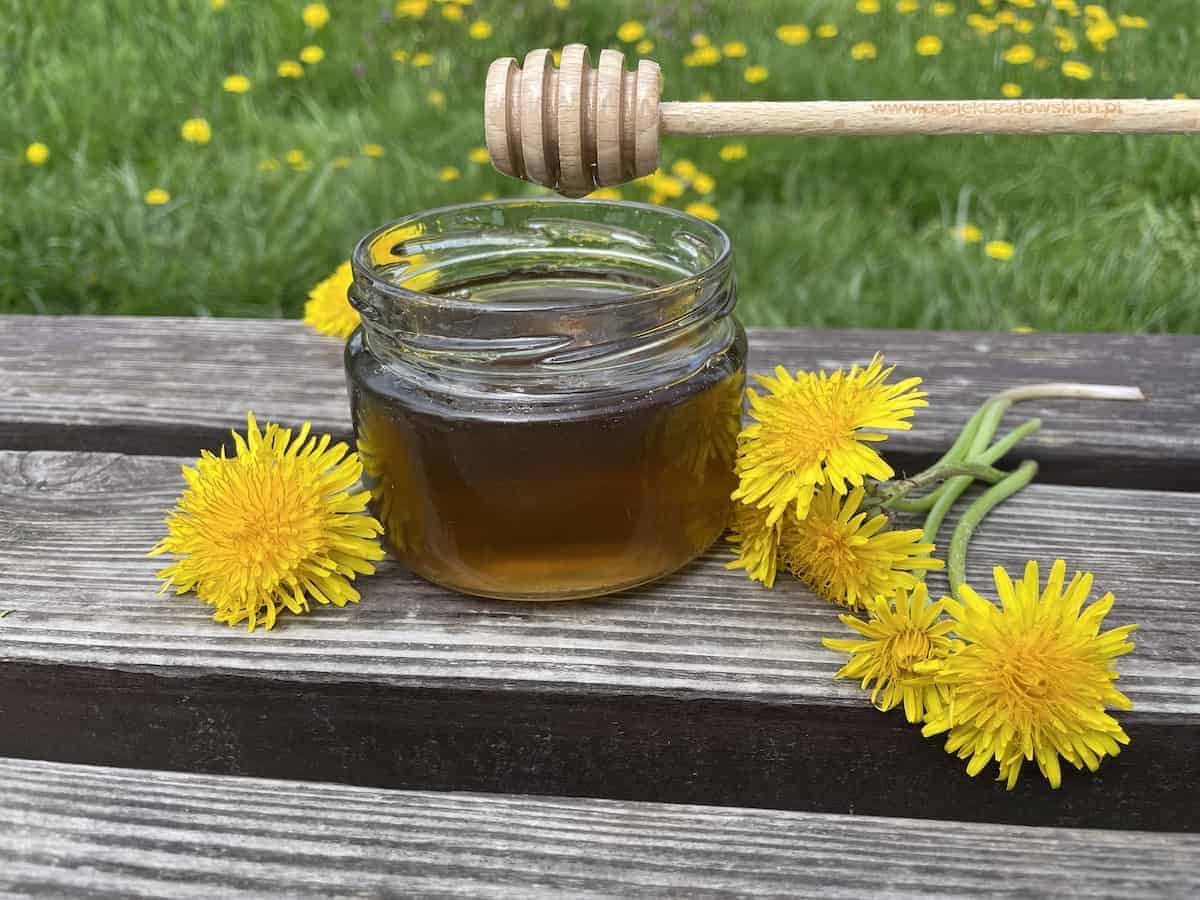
(84, 831)
(702, 688)
(172, 386)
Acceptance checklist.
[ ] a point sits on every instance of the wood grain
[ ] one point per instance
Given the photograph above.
(172, 386)
(702, 688)
(86, 831)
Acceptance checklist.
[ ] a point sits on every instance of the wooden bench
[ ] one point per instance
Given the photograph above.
(702, 689)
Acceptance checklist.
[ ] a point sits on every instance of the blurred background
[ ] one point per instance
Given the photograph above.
(219, 157)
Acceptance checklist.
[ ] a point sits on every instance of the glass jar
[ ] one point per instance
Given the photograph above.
(547, 393)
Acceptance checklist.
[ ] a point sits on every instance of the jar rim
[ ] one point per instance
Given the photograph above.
(363, 265)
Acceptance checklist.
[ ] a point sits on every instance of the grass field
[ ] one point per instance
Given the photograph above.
(1104, 231)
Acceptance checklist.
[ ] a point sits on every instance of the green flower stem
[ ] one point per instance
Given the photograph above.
(956, 562)
(999, 449)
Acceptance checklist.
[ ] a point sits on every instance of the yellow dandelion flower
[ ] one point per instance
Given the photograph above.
(703, 183)
(733, 152)
(1023, 26)
(312, 54)
(271, 528)
(1023, 329)
(342, 162)
(929, 45)
(1068, 6)
(907, 7)
(902, 637)
(1095, 12)
(37, 153)
(700, 39)
(557, 57)
(479, 156)
(196, 131)
(734, 49)
(703, 56)
(1006, 17)
(1127, 21)
(793, 35)
(757, 542)
(1001, 250)
(815, 429)
(328, 310)
(1024, 4)
(605, 193)
(864, 50)
(268, 166)
(702, 211)
(295, 157)
(827, 31)
(452, 12)
(1035, 677)
(1179, 95)
(756, 74)
(684, 168)
(235, 84)
(969, 234)
(657, 199)
(315, 15)
(157, 197)
(631, 31)
(411, 9)
(644, 46)
(1011, 90)
(941, 10)
(562, 4)
(436, 98)
(1078, 70)
(289, 68)
(448, 173)
(982, 24)
(217, 5)
(375, 151)
(480, 30)
(867, 7)
(1019, 54)
(849, 559)
(661, 183)
(421, 59)
(1065, 40)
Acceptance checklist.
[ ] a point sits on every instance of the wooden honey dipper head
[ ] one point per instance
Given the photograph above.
(576, 127)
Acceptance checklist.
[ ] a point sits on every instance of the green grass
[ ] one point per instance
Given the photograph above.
(828, 232)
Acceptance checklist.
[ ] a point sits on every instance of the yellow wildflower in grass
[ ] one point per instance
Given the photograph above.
(684, 168)
(452, 12)
(1077, 70)
(847, 558)
(235, 84)
(312, 54)
(703, 183)
(480, 30)
(1019, 54)
(941, 10)
(982, 24)
(1064, 40)
(1011, 90)
(157, 197)
(1095, 12)
(295, 157)
(217, 5)
(411, 9)
(268, 166)
(867, 7)
(1023, 26)
(1127, 21)
(1100, 33)
(375, 151)
(1035, 677)
(421, 59)
(1006, 17)
(907, 7)
(700, 39)
(328, 310)
(1001, 250)
(661, 183)
(644, 46)
(315, 15)
(556, 56)
(756, 74)
(631, 31)
(757, 543)
(969, 234)
(901, 637)
(827, 31)
(448, 173)
(733, 152)
(705, 97)
(1179, 95)
(273, 527)
(196, 131)
(562, 4)
(734, 49)
(702, 210)
(1024, 4)
(37, 153)
(342, 162)
(793, 35)
(479, 156)
(400, 56)
(488, 195)
(436, 99)
(929, 45)
(864, 50)
(289, 68)
(703, 56)
(1070, 7)
(605, 193)
(813, 429)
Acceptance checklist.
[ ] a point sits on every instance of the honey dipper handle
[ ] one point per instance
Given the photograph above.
(898, 117)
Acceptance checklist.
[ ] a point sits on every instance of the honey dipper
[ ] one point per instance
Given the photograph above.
(577, 127)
